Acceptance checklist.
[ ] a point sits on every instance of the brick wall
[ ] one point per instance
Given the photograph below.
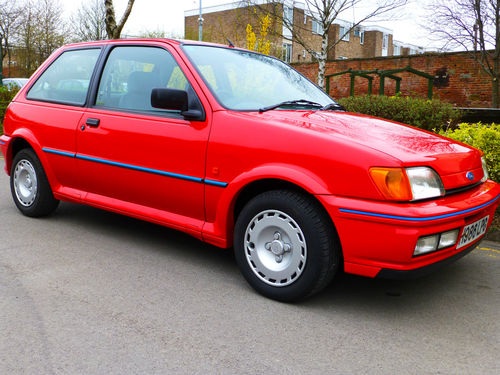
(459, 79)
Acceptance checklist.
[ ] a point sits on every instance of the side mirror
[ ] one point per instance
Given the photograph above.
(172, 99)
(176, 100)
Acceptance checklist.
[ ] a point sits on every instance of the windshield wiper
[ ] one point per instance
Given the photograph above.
(300, 102)
(334, 106)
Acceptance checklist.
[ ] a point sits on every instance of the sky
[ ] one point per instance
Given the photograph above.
(168, 16)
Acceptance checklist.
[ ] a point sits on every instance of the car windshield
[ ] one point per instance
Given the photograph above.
(247, 81)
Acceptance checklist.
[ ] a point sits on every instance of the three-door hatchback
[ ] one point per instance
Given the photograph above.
(238, 149)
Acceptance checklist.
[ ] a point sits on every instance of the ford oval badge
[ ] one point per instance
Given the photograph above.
(470, 175)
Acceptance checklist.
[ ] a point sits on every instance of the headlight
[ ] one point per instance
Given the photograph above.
(485, 169)
(424, 183)
(407, 184)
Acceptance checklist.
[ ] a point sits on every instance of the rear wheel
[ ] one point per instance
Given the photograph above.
(29, 185)
(285, 245)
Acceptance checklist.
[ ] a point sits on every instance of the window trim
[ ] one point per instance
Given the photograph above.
(347, 33)
(98, 75)
(285, 49)
(360, 33)
(89, 89)
(318, 27)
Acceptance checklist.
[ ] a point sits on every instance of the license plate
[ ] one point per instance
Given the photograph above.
(473, 231)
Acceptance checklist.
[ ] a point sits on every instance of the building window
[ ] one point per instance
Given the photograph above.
(342, 58)
(397, 50)
(287, 21)
(316, 27)
(344, 33)
(288, 15)
(287, 52)
(385, 41)
(360, 34)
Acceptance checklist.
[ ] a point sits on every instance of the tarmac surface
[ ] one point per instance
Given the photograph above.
(86, 291)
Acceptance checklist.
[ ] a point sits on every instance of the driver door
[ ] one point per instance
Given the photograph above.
(137, 158)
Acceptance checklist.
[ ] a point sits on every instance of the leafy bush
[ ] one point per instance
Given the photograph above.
(6, 96)
(481, 136)
(423, 113)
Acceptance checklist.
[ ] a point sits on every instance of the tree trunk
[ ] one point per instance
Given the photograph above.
(494, 92)
(322, 56)
(112, 29)
(9, 61)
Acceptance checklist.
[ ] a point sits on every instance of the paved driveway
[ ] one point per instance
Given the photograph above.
(90, 292)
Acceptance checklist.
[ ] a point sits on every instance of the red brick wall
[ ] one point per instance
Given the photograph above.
(459, 79)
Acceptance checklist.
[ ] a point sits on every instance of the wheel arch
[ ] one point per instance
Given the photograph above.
(247, 186)
(24, 138)
(16, 144)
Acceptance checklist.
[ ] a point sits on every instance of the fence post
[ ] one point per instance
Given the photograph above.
(382, 85)
(429, 91)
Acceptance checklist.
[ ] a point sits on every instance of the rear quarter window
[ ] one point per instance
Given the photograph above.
(67, 79)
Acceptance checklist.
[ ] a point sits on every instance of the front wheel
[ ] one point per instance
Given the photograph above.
(29, 185)
(285, 245)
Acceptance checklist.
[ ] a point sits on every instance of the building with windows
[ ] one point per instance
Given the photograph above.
(228, 22)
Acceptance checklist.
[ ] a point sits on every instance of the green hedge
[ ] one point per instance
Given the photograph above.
(423, 113)
(481, 136)
(6, 96)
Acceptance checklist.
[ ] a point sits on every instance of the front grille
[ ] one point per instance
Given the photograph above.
(461, 189)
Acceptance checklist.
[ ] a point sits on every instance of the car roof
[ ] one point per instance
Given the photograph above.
(131, 40)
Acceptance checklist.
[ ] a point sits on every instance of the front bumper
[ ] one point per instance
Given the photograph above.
(379, 238)
(387, 273)
(4, 146)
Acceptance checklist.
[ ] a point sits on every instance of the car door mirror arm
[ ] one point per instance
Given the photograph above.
(193, 115)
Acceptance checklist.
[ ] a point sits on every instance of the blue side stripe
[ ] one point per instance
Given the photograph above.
(407, 218)
(2, 142)
(57, 152)
(142, 169)
(215, 183)
(137, 168)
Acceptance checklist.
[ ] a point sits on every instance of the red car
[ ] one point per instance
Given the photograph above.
(238, 149)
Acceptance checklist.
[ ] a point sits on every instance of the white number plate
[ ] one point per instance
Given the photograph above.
(473, 231)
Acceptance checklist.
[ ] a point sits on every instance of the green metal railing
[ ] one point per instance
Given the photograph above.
(382, 74)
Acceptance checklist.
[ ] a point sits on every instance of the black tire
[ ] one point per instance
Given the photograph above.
(270, 219)
(33, 195)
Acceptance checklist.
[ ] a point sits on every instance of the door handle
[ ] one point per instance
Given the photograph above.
(94, 122)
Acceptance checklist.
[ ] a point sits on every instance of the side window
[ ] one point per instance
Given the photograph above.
(67, 79)
(131, 73)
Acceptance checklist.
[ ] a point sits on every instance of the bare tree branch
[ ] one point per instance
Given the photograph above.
(474, 26)
(112, 29)
(325, 12)
(88, 23)
(10, 14)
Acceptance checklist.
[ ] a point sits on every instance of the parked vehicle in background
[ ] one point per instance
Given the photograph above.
(238, 149)
(14, 83)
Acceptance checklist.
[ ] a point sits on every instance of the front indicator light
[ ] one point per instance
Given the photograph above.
(426, 244)
(448, 239)
(392, 183)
